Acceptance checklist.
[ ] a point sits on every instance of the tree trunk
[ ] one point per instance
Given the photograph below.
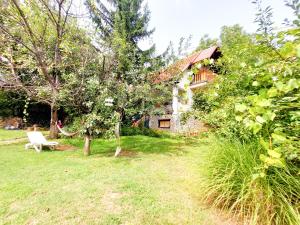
(87, 145)
(117, 134)
(53, 127)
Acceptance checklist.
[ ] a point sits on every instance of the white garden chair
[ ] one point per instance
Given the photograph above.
(37, 141)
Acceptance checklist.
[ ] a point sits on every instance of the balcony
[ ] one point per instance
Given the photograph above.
(199, 78)
(202, 78)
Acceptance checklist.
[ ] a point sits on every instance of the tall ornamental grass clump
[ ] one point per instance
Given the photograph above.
(232, 181)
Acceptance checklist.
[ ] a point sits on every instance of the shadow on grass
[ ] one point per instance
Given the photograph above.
(132, 145)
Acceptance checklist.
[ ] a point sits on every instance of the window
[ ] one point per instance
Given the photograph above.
(165, 123)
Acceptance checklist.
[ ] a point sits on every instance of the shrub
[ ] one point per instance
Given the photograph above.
(256, 102)
(131, 131)
(231, 181)
(11, 104)
(201, 103)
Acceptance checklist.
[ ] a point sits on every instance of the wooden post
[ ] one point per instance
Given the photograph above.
(87, 145)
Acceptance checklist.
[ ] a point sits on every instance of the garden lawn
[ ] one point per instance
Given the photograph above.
(154, 182)
(11, 134)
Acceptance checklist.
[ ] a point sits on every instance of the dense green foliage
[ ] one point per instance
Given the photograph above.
(58, 63)
(200, 102)
(126, 68)
(256, 101)
(122, 25)
(42, 47)
(11, 104)
(106, 79)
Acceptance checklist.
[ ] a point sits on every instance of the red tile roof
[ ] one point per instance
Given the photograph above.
(205, 54)
(183, 64)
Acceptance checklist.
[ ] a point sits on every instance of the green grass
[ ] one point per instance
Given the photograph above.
(156, 184)
(11, 134)
(228, 182)
(6, 135)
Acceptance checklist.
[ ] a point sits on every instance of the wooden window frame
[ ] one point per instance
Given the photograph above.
(164, 120)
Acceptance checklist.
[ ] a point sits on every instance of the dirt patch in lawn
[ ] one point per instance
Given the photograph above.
(110, 202)
(13, 141)
(219, 217)
(127, 153)
(65, 148)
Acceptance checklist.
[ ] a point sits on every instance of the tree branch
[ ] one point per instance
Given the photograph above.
(17, 40)
(51, 15)
(37, 51)
(67, 15)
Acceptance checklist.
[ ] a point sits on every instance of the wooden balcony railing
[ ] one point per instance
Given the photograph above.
(200, 78)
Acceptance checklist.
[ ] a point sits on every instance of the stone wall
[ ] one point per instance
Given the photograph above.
(15, 122)
(2, 122)
(153, 123)
(192, 126)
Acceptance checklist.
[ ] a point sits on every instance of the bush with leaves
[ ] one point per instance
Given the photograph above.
(11, 104)
(201, 103)
(131, 131)
(271, 111)
(255, 101)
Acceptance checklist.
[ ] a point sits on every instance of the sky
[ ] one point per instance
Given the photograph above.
(173, 19)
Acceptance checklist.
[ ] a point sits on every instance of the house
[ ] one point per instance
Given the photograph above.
(185, 85)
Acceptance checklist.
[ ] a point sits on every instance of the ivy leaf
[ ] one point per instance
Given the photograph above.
(240, 107)
(272, 161)
(264, 144)
(293, 84)
(260, 119)
(274, 154)
(272, 92)
(256, 127)
(263, 158)
(264, 103)
(238, 118)
(280, 86)
(270, 115)
(278, 138)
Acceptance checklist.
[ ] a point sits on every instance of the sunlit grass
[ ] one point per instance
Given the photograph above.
(11, 134)
(158, 184)
(7, 135)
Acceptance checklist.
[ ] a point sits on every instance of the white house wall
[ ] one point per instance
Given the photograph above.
(183, 85)
(178, 108)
